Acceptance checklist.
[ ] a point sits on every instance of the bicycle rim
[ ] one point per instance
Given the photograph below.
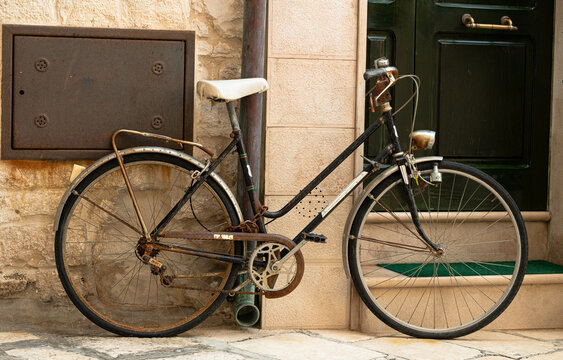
(482, 234)
(98, 249)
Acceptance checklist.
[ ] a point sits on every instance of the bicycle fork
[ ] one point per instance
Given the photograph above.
(401, 160)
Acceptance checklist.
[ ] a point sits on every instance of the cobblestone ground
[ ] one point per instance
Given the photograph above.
(224, 343)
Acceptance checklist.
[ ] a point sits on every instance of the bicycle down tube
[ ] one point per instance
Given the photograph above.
(239, 144)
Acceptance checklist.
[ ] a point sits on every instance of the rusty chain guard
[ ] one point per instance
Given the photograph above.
(246, 231)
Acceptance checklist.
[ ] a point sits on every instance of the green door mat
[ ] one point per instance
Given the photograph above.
(472, 269)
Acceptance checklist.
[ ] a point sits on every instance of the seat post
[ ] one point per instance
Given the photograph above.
(233, 116)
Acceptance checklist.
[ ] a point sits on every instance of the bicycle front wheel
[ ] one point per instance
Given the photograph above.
(99, 245)
(468, 215)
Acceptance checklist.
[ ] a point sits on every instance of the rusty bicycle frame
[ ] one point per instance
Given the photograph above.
(386, 78)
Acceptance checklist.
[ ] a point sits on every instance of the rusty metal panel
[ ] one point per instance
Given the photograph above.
(66, 90)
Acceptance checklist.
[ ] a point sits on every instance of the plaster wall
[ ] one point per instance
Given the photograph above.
(30, 290)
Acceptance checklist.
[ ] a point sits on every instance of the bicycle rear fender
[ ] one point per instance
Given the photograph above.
(143, 149)
(360, 199)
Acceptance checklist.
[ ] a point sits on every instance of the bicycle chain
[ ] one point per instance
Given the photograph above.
(230, 292)
(249, 226)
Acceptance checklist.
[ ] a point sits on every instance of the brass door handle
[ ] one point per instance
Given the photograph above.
(506, 24)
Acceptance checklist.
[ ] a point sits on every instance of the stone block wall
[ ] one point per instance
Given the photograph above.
(30, 290)
(311, 118)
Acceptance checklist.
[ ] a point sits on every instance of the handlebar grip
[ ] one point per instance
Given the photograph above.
(375, 73)
(381, 73)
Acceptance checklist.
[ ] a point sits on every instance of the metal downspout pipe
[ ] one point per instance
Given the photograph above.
(253, 45)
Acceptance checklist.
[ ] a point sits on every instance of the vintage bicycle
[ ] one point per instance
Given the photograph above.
(150, 240)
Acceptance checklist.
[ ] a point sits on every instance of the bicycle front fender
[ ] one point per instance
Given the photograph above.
(360, 199)
(143, 149)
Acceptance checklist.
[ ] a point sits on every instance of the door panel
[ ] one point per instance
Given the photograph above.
(486, 92)
(481, 111)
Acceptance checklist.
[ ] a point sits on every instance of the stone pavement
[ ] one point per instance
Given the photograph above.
(249, 343)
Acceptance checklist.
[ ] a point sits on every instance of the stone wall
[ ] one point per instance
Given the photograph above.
(30, 190)
(311, 118)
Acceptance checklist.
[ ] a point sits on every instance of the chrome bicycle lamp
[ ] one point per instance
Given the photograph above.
(423, 139)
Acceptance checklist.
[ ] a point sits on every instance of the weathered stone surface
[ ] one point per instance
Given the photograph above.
(204, 48)
(312, 93)
(212, 355)
(223, 50)
(20, 204)
(342, 335)
(42, 284)
(505, 344)
(29, 12)
(222, 343)
(27, 244)
(313, 28)
(45, 353)
(11, 284)
(300, 346)
(214, 118)
(291, 224)
(420, 349)
(541, 334)
(552, 356)
(28, 175)
(201, 29)
(319, 302)
(71, 12)
(521, 314)
(227, 17)
(294, 156)
(127, 346)
(30, 190)
(10, 337)
(221, 333)
(231, 70)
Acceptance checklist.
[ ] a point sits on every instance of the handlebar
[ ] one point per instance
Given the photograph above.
(382, 73)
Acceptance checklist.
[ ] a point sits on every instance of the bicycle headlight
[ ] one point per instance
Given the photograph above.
(423, 139)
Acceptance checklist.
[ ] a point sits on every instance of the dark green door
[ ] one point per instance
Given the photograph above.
(487, 93)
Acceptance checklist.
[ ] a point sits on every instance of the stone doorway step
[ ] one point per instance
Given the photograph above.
(536, 306)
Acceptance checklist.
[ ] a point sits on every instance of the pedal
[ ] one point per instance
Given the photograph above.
(314, 237)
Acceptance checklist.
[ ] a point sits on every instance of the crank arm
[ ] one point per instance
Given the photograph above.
(278, 264)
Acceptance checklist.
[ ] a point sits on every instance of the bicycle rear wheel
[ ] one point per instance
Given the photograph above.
(479, 227)
(97, 247)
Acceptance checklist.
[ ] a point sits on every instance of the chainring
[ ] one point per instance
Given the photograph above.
(275, 282)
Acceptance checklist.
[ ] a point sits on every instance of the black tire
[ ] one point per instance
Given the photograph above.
(97, 248)
(473, 218)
